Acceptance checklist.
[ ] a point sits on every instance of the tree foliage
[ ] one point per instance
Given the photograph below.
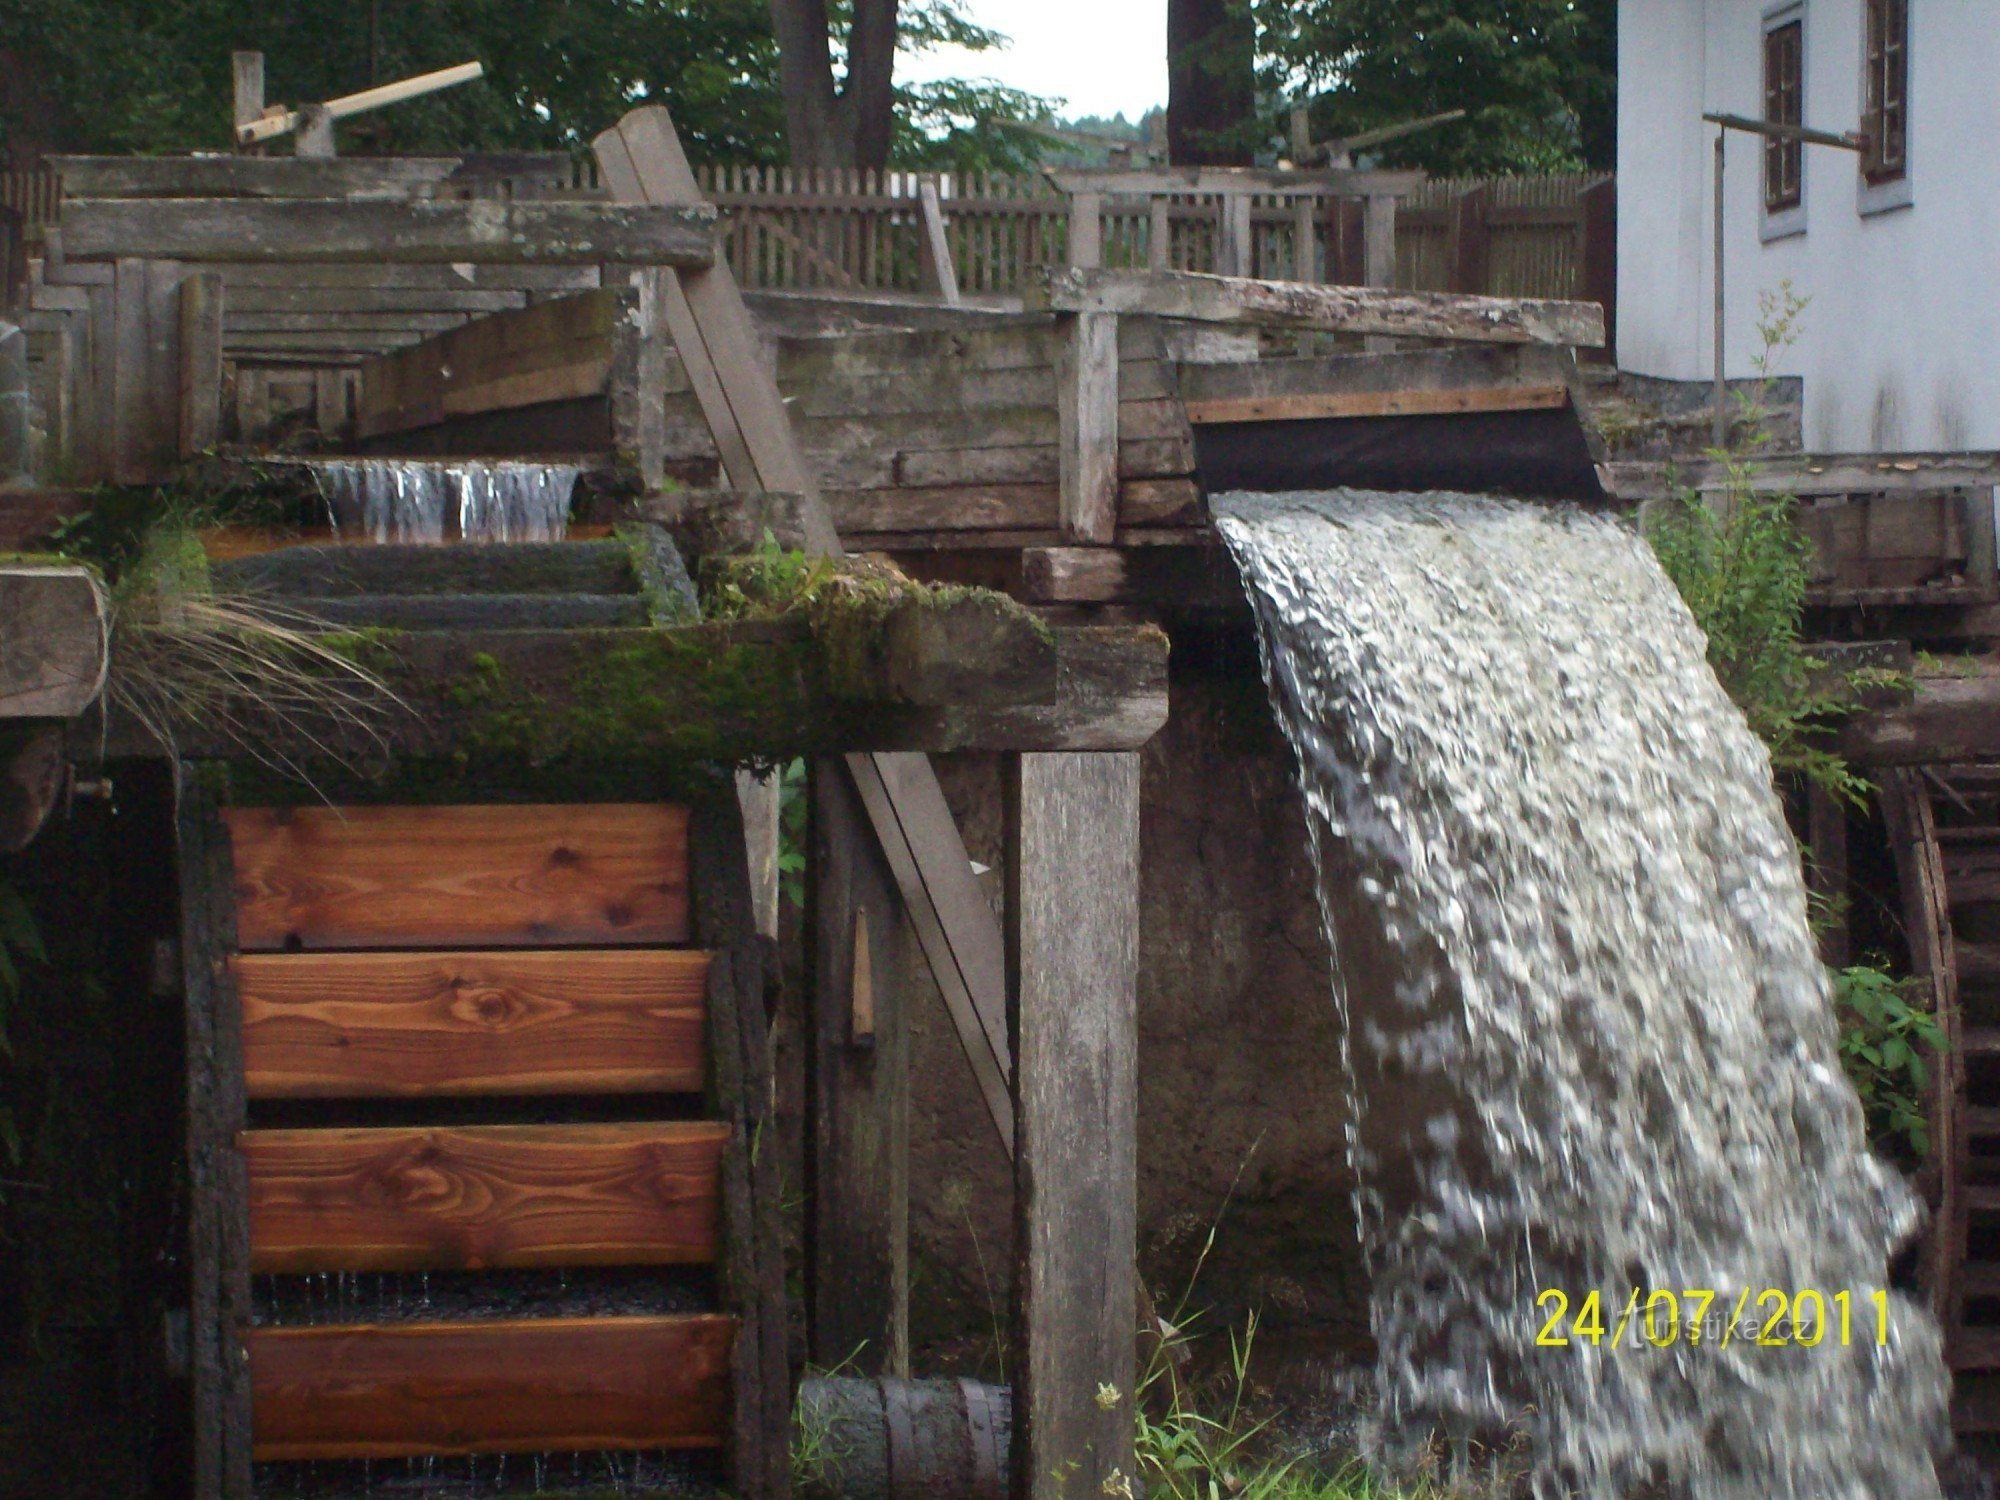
(1537, 78)
(154, 75)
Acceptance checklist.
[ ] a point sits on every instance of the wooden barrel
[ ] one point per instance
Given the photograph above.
(904, 1439)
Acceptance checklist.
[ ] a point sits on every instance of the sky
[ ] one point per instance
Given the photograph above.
(1102, 57)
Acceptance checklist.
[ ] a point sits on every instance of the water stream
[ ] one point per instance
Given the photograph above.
(421, 500)
(1589, 1040)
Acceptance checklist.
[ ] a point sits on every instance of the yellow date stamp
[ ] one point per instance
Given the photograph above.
(1662, 1317)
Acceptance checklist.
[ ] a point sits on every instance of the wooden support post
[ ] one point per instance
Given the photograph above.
(1471, 243)
(1305, 252)
(163, 366)
(1237, 253)
(1598, 257)
(656, 344)
(1344, 243)
(247, 76)
(130, 417)
(200, 363)
(218, 1189)
(1159, 233)
(1826, 870)
(315, 138)
(940, 279)
(859, 1304)
(1087, 417)
(759, 798)
(1086, 229)
(1379, 257)
(1073, 865)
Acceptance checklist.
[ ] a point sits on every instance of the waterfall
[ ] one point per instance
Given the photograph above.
(414, 500)
(1589, 1042)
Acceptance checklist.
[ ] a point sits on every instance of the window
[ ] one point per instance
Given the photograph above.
(1885, 94)
(1784, 104)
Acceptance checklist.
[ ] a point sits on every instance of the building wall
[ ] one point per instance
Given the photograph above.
(1899, 347)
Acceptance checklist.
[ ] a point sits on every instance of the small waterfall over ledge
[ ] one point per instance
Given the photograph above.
(475, 500)
(1589, 1041)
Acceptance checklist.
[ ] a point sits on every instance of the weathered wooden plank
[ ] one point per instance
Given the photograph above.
(1946, 720)
(1179, 577)
(939, 277)
(202, 315)
(1411, 403)
(1138, 458)
(1344, 309)
(356, 178)
(362, 278)
(476, 1197)
(500, 1386)
(338, 301)
(1088, 415)
(1264, 182)
(1073, 863)
(218, 1250)
(859, 1300)
(402, 877)
(356, 1025)
(54, 641)
(252, 229)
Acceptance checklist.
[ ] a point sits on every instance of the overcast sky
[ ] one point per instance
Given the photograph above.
(1100, 56)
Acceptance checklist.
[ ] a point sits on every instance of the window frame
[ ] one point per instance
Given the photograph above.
(1784, 215)
(1881, 188)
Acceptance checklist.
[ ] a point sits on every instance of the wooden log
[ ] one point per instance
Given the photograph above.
(54, 640)
(1088, 419)
(859, 1288)
(1073, 862)
(201, 315)
(499, 1386)
(476, 1197)
(1333, 309)
(307, 230)
(377, 178)
(503, 876)
(218, 1253)
(411, 1025)
(1412, 403)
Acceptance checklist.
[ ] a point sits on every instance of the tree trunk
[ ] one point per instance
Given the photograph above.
(1211, 82)
(852, 125)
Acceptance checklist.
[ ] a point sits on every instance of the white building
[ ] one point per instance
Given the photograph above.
(1899, 251)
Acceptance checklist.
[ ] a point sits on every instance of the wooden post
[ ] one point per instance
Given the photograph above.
(201, 363)
(1598, 258)
(1305, 258)
(218, 1189)
(1237, 252)
(1471, 242)
(939, 277)
(130, 416)
(1379, 258)
(1087, 416)
(1344, 247)
(1086, 229)
(247, 76)
(859, 1301)
(1159, 233)
(1073, 865)
(655, 346)
(1826, 869)
(315, 136)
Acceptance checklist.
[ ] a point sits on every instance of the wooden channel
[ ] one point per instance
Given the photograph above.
(501, 1386)
(387, 1025)
(424, 877)
(489, 1196)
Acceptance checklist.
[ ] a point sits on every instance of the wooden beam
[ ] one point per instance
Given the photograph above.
(1220, 181)
(393, 178)
(246, 72)
(55, 637)
(504, 876)
(201, 310)
(940, 278)
(301, 230)
(498, 1386)
(218, 1251)
(418, 1025)
(474, 1197)
(1073, 863)
(1186, 578)
(859, 1302)
(1946, 720)
(1087, 423)
(1086, 229)
(1412, 403)
(268, 126)
(1336, 309)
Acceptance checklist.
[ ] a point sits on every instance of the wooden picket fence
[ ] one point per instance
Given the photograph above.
(845, 229)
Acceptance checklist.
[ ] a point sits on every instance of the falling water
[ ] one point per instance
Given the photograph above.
(1589, 1042)
(411, 500)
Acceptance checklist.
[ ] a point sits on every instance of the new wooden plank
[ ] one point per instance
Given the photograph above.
(1073, 863)
(500, 1386)
(1333, 309)
(1412, 403)
(252, 229)
(475, 1197)
(361, 1025)
(404, 877)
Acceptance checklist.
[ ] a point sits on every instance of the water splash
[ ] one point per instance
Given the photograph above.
(1589, 1041)
(411, 500)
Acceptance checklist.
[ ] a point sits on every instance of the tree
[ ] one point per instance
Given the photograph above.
(153, 75)
(1538, 78)
(849, 125)
(1211, 82)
